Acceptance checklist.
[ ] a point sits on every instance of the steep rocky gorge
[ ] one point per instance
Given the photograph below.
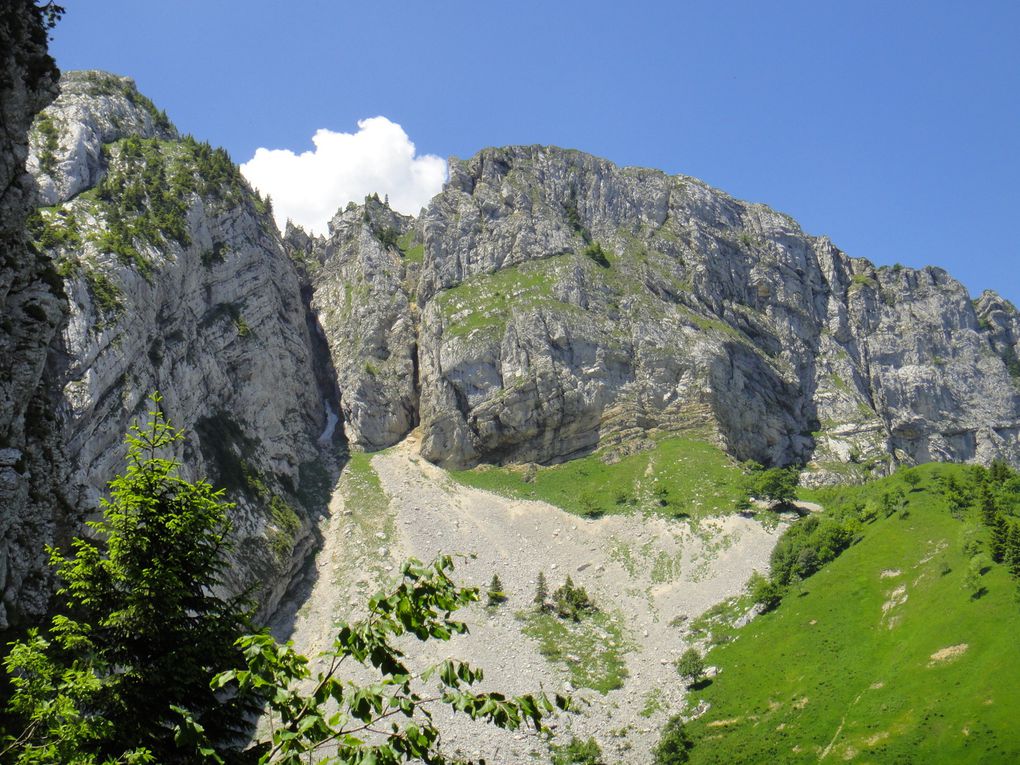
(563, 303)
(544, 305)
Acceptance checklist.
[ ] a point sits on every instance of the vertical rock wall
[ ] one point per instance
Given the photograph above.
(177, 281)
(31, 312)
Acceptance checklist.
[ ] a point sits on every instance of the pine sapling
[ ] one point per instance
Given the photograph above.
(541, 592)
(496, 595)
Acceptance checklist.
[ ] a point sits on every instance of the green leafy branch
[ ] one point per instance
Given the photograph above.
(387, 721)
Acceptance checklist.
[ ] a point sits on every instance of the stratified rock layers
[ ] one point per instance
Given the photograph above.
(563, 303)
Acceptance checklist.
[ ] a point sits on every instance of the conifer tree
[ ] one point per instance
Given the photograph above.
(999, 472)
(1000, 538)
(541, 592)
(1012, 557)
(144, 635)
(496, 594)
(989, 507)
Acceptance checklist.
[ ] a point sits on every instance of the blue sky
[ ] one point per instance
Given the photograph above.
(893, 127)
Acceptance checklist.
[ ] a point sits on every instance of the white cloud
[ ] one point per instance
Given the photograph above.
(308, 188)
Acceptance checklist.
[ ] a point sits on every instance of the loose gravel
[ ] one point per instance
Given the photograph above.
(650, 570)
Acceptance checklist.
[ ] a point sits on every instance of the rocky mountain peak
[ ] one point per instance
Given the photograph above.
(563, 304)
(94, 109)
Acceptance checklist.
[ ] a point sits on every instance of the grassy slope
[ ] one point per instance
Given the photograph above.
(364, 495)
(692, 477)
(831, 675)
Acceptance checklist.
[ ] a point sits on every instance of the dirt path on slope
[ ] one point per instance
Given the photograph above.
(645, 570)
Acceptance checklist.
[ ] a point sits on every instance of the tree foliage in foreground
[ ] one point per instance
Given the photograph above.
(386, 721)
(146, 665)
(140, 634)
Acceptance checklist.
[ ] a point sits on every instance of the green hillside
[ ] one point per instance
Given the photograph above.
(898, 651)
(679, 477)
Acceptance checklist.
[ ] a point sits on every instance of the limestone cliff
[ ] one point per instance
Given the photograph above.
(177, 282)
(563, 304)
(31, 302)
(546, 304)
(362, 294)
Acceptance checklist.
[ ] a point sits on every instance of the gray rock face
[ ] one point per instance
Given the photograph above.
(95, 109)
(363, 296)
(31, 311)
(567, 304)
(545, 304)
(177, 282)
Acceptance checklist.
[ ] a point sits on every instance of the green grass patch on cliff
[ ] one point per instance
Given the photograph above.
(47, 139)
(678, 477)
(412, 250)
(484, 302)
(887, 654)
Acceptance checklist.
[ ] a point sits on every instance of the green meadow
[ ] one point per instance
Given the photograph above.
(679, 477)
(888, 654)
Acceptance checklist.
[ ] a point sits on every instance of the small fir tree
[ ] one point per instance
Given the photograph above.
(1012, 556)
(541, 592)
(571, 602)
(999, 472)
(1000, 538)
(989, 507)
(496, 595)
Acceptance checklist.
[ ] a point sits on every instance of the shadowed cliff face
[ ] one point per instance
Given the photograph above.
(362, 293)
(563, 303)
(31, 312)
(177, 281)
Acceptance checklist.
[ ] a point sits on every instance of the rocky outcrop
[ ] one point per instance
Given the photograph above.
(95, 110)
(177, 282)
(567, 304)
(546, 304)
(31, 311)
(363, 295)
